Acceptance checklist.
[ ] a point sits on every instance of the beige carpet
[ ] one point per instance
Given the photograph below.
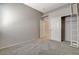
(39, 47)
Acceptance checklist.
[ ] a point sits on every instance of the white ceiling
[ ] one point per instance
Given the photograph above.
(45, 7)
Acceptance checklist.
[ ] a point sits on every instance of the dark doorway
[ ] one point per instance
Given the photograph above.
(63, 28)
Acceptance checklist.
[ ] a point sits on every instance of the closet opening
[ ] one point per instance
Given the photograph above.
(66, 29)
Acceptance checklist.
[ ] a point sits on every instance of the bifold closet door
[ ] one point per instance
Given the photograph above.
(70, 28)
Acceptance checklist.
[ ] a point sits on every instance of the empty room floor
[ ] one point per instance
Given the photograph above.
(39, 47)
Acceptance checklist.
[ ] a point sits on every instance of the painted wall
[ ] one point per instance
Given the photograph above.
(19, 23)
(55, 28)
(55, 21)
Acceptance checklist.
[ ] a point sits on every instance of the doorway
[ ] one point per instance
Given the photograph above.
(63, 28)
(44, 32)
(66, 29)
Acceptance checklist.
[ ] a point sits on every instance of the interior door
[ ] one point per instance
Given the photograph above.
(70, 29)
(44, 28)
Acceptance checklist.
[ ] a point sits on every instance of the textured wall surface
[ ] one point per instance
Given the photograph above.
(19, 23)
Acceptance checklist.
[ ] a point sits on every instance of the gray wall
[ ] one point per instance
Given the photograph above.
(19, 23)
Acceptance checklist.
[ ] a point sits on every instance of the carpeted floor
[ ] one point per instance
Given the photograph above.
(41, 48)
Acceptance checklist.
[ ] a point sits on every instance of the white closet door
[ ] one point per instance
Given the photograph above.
(70, 29)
